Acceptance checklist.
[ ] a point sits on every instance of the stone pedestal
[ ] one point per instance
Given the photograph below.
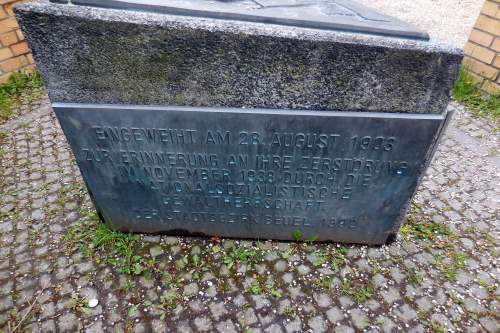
(235, 121)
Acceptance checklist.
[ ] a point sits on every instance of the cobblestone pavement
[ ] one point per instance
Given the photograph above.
(441, 274)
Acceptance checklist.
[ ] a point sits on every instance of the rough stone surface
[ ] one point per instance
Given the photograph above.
(331, 15)
(176, 60)
(427, 270)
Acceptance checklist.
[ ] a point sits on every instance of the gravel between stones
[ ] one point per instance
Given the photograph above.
(446, 20)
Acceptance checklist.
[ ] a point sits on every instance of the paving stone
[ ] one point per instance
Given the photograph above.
(260, 301)
(203, 324)
(424, 303)
(317, 324)
(359, 318)
(183, 327)
(190, 289)
(323, 300)
(406, 313)
(473, 305)
(280, 266)
(274, 328)
(287, 278)
(156, 251)
(248, 317)
(217, 310)
(490, 324)
(266, 318)
(68, 322)
(226, 327)
(48, 326)
(303, 269)
(96, 327)
(346, 302)
(334, 315)
(294, 326)
(344, 329)
(443, 321)
(391, 295)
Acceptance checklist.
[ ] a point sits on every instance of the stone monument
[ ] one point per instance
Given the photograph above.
(270, 119)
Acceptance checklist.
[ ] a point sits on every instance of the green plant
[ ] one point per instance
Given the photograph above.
(168, 302)
(273, 290)
(95, 239)
(242, 256)
(312, 239)
(413, 277)
(320, 257)
(360, 293)
(78, 304)
(450, 269)
(467, 92)
(337, 258)
(290, 312)
(286, 253)
(297, 235)
(18, 85)
(437, 327)
(254, 289)
(422, 229)
(324, 282)
(3, 136)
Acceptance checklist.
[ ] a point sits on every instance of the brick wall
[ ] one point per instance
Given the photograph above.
(482, 51)
(14, 52)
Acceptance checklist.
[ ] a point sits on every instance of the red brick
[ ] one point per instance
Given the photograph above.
(468, 48)
(19, 34)
(488, 24)
(478, 67)
(3, 14)
(9, 7)
(491, 87)
(490, 8)
(8, 38)
(5, 53)
(8, 24)
(4, 78)
(20, 48)
(496, 44)
(496, 63)
(477, 78)
(12, 64)
(481, 53)
(481, 38)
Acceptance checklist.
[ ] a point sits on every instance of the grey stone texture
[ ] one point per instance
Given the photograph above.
(333, 14)
(465, 169)
(95, 55)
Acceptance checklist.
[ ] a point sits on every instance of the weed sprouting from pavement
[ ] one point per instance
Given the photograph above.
(242, 256)
(413, 277)
(467, 92)
(360, 293)
(95, 239)
(3, 136)
(422, 229)
(78, 304)
(451, 264)
(19, 85)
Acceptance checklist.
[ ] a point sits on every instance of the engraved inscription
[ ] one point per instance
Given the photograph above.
(217, 171)
(329, 167)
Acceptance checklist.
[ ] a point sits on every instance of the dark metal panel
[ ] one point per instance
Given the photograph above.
(330, 14)
(341, 176)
